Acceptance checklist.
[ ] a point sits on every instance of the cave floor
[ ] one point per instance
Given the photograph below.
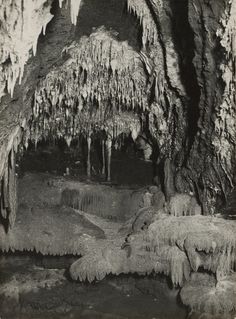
(29, 290)
(63, 216)
(36, 286)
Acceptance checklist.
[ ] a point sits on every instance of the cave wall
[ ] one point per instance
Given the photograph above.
(15, 111)
(198, 49)
(211, 162)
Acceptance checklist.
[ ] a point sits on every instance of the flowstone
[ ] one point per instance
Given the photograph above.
(146, 241)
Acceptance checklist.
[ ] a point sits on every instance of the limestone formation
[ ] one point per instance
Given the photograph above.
(152, 80)
(173, 245)
(21, 25)
(213, 299)
(157, 75)
(184, 205)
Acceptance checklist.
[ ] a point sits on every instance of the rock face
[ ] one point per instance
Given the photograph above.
(212, 154)
(197, 45)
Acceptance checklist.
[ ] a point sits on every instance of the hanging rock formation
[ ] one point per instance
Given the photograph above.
(21, 25)
(180, 89)
(176, 87)
(100, 80)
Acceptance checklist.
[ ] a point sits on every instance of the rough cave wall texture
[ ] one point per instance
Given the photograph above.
(186, 51)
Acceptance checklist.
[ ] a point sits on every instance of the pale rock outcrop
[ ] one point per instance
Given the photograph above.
(184, 205)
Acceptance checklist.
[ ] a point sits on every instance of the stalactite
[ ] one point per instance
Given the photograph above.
(96, 103)
(141, 10)
(19, 29)
(60, 3)
(97, 201)
(75, 6)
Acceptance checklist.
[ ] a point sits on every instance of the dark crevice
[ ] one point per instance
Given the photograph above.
(203, 31)
(183, 37)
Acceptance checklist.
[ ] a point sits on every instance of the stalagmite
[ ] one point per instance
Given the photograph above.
(109, 150)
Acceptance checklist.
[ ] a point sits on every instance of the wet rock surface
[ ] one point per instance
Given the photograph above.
(29, 291)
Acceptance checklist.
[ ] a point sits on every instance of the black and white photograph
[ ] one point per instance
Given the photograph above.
(117, 159)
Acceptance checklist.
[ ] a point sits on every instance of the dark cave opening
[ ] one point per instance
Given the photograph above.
(124, 26)
(128, 165)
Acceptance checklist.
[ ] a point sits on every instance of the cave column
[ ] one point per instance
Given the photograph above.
(103, 157)
(88, 156)
(12, 186)
(169, 187)
(108, 147)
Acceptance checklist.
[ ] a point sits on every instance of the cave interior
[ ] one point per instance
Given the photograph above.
(117, 159)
